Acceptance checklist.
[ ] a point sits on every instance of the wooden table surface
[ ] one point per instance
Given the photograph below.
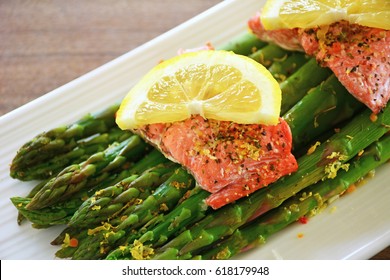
(45, 44)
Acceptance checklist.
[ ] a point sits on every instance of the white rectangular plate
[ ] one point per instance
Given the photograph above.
(357, 227)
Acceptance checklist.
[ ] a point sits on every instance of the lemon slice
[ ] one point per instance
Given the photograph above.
(217, 85)
(278, 14)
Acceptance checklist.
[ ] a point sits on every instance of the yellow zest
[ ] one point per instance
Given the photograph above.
(69, 242)
(140, 251)
(313, 148)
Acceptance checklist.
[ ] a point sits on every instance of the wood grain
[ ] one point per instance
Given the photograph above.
(45, 44)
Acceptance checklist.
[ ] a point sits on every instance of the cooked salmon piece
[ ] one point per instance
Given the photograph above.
(227, 159)
(359, 56)
(285, 38)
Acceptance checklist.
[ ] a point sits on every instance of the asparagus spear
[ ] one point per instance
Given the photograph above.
(101, 239)
(163, 199)
(31, 194)
(286, 66)
(155, 159)
(137, 190)
(67, 250)
(42, 170)
(327, 105)
(61, 140)
(111, 201)
(244, 44)
(89, 173)
(188, 212)
(323, 163)
(81, 152)
(43, 218)
(305, 203)
(49, 216)
(83, 234)
(298, 84)
(268, 54)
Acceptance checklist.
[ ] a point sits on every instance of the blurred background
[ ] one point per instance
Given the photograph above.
(47, 43)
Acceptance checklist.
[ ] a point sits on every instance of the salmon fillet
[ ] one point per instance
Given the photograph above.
(359, 56)
(227, 159)
(285, 38)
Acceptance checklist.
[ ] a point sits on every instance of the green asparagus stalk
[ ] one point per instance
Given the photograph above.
(281, 63)
(63, 239)
(148, 161)
(326, 106)
(268, 54)
(295, 87)
(305, 203)
(55, 214)
(87, 174)
(152, 160)
(101, 239)
(31, 194)
(322, 164)
(61, 140)
(83, 235)
(163, 199)
(188, 212)
(84, 149)
(48, 216)
(136, 191)
(111, 201)
(282, 68)
(244, 44)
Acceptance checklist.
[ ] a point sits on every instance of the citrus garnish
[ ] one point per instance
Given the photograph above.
(217, 85)
(279, 14)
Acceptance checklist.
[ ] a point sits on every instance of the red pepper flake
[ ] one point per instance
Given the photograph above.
(303, 220)
(373, 117)
(351, 188)
(73, 242)
(70, 242)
